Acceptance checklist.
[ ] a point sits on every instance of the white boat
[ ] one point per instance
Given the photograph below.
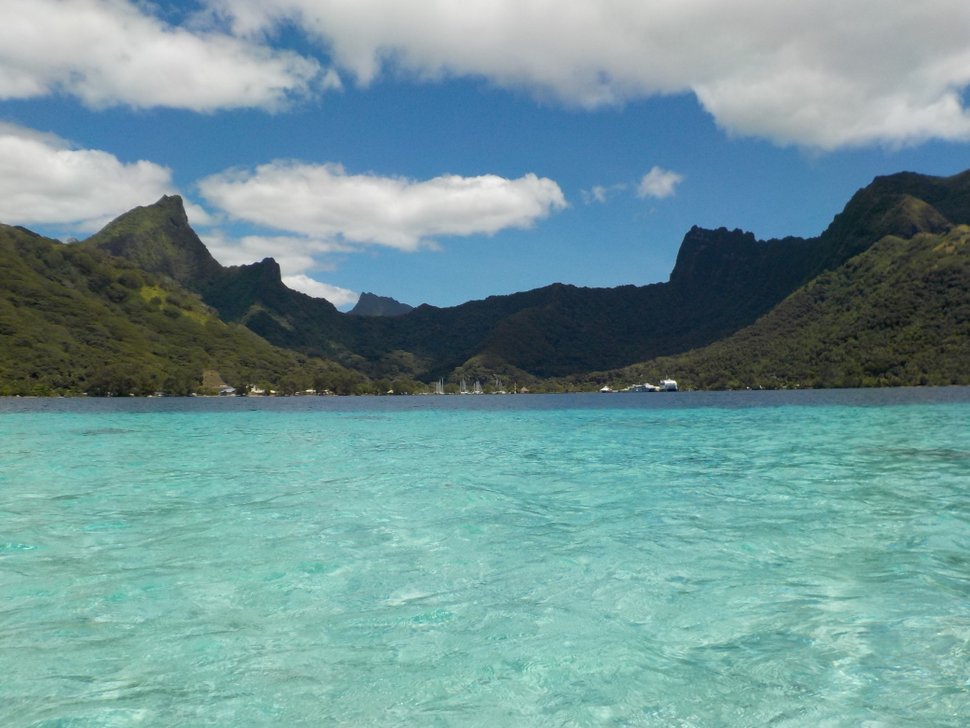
(645, 387)
(668, 385)
(439, 386)
(607, 389)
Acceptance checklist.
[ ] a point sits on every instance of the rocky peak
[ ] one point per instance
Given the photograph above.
(704, 254)
(159, 239)
(370, 304)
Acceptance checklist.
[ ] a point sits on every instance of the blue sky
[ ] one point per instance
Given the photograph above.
(445, 151)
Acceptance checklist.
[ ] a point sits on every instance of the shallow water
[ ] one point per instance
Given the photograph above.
(789, 559)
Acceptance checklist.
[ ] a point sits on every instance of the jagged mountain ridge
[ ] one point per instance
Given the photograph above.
(159, 239)
(722, 282)
(370, 304)
(74, 320)
(896, 314)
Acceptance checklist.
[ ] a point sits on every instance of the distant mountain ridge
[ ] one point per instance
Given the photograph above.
(370, 304)
(552, 331)
(896, 314)
(74, 320)
(722, 283)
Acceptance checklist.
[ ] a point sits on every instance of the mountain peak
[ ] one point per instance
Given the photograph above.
(174, 203)
(705, 254)
(370, 304)
(902, 204)
(158, 238)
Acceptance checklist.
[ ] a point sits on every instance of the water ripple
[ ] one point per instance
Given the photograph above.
(761, 560)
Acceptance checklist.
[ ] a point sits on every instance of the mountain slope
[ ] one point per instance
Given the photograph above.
(73, 320)
(158, 238)
(551, 331)
(896, 314)
(370, 304)
(722, 282)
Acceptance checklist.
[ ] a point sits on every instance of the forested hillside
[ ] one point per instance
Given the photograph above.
(723, 280)
(880, 297)
(73, 320)
(896, 314)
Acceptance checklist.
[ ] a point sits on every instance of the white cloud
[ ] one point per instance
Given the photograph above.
(198, 215)
(324, 202)
(659, 183)
(595, 194)
(820, 73)
(43, 180)
(601, 193)
(340, 297)
(109, 52)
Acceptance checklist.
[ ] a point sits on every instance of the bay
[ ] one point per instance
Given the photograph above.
(691, 559)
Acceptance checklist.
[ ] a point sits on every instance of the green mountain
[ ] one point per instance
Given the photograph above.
(722, 281)
(728, 292)
(370, 304)
(158, 238)
(74, 320)
(896, 314)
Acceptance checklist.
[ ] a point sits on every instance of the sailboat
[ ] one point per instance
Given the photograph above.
(439, 386)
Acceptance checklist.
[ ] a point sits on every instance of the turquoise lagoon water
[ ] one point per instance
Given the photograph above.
(787, 559)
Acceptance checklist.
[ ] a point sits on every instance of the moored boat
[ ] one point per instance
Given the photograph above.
(645, 387)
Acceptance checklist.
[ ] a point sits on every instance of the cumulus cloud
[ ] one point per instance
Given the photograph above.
(198, 215)
(325, 202)
(659, 183)
(340, 297)
(109, 52)
(44, 180)
(818, 73)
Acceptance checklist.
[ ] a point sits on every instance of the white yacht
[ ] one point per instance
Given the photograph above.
(668, 385)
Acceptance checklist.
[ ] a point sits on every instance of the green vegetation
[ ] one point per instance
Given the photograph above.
(553, 331)
(158, 238)
(897, 314)
(74, 321)
(881, 297)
